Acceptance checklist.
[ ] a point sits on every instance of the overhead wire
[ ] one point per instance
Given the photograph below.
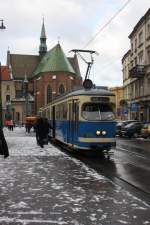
(106, 24)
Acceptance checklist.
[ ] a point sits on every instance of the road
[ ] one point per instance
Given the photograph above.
(47, 186)
(129, 166)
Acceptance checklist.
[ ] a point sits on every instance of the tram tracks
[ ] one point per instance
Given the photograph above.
(108, 168)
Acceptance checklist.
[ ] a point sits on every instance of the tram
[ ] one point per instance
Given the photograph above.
(83, 119)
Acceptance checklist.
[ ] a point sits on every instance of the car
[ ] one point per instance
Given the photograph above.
(132, 129)
(145, 131)
(121, 124)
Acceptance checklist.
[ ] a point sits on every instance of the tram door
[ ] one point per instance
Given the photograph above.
(53, 122)
(73, 121)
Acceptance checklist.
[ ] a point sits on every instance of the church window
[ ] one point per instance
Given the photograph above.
(54, 77)
(49, 94)
(61, 89)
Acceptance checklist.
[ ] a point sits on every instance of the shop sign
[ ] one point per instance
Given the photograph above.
(134, 107)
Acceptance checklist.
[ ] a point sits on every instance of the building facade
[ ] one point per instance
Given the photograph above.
(119, 106)
(136, 71)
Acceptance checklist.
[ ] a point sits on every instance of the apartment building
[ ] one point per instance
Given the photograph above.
(136, 71)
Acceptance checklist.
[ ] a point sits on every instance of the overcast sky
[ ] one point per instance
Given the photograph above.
(75, 22)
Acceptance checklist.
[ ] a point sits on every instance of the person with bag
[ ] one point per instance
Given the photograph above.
(3, 144)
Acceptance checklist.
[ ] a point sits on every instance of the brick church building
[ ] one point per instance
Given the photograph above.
(37, 79)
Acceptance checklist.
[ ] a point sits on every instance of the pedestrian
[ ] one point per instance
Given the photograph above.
(11, 125)
(42, 130)
(28, 127)
(3, 144)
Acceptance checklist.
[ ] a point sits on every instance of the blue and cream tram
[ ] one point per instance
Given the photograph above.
(83, 119)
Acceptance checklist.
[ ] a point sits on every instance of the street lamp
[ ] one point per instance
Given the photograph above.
(1, 111)
(2, 25)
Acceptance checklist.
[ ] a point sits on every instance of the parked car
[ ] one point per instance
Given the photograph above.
(132, 129)
(121, 124)
(145, 131)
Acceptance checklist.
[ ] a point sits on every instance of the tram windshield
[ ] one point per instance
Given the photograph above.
(97, 111)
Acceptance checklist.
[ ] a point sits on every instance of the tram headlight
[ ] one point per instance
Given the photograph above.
(104, 132)
(98, 132)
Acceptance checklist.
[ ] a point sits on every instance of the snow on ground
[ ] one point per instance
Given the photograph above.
(45, 186)
(22, 143)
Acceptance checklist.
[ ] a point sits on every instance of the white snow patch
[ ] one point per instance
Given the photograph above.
(19, 205)
(122, 221)
(146, 222)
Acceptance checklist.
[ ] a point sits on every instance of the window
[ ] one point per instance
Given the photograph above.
(54, 77)
(141, 58)
(148, 84)
(148, 30)
(140, 38)
(97, 111)
(148, 55)
(65, 111)
(7, 88)
(18, 116)
(7, 98)
(132, 47)
(141, 87)
(19, 93)
(61, 89)
(135, 45)
(135, 61)
(49, 94)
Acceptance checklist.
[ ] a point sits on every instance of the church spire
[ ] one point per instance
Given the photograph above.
(43, 46)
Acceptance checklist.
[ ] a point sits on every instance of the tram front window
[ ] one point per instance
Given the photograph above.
(97, 111)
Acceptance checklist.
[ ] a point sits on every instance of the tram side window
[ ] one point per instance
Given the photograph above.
(65, 111)
(61, 111)
(57, 112)
(97, 111)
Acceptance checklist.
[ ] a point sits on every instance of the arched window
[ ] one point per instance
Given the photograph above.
(61, 89)
(49, 94)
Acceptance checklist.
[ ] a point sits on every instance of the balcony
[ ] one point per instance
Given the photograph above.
(137, 71)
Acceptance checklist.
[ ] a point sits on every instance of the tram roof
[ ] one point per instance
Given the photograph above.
(91, 92)
(95, 92)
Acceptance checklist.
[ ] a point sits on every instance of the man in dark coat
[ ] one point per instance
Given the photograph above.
(42, 130)
(3, 144)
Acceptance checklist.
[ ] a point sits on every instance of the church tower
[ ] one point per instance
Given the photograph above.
(43, 46)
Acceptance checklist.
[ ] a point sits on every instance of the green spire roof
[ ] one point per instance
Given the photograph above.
(54, 61)
(43, 33)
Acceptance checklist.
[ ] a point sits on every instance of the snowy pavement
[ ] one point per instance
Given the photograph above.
(45, 186)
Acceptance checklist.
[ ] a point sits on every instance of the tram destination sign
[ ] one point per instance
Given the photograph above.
(99, 99)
